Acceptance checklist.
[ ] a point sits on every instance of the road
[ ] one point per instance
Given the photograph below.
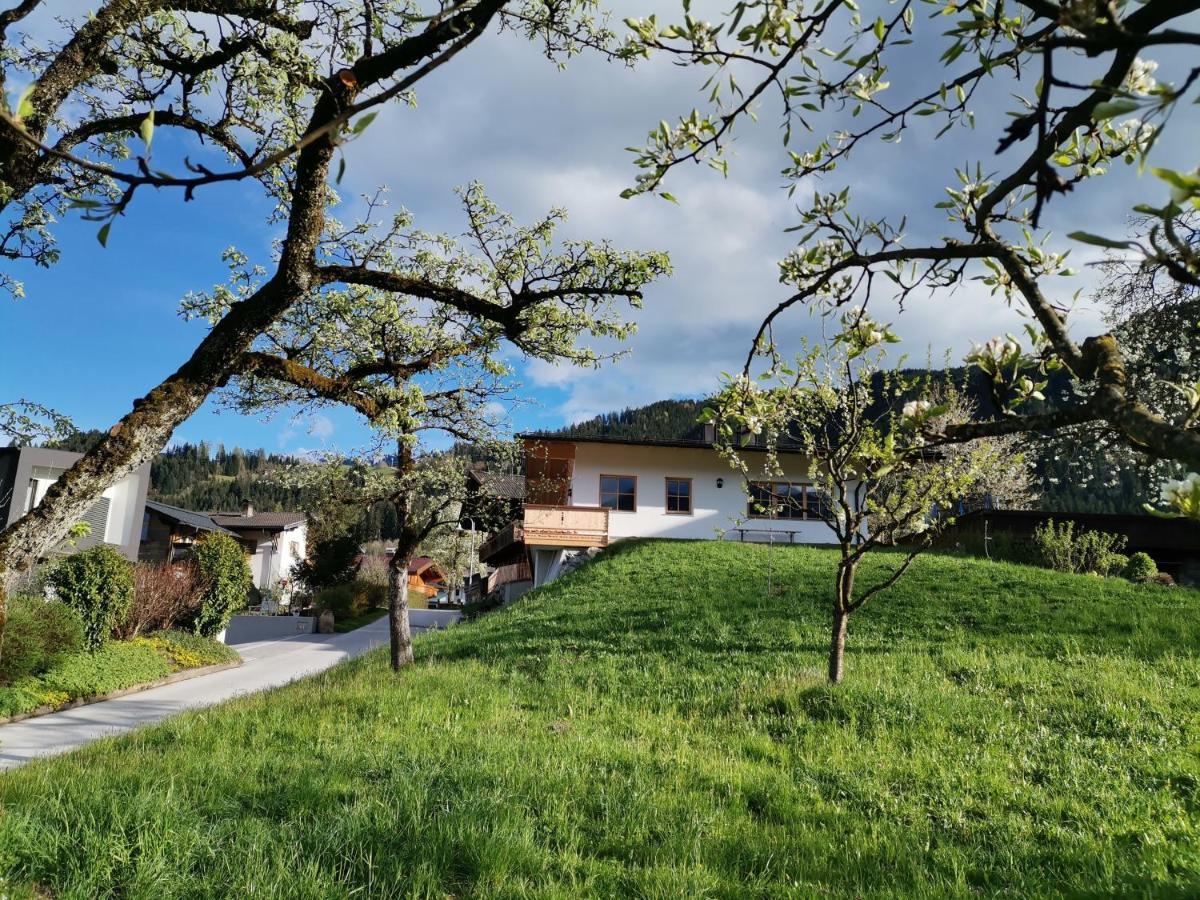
(267, 664)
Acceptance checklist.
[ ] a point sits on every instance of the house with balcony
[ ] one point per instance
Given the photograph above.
(587, 492)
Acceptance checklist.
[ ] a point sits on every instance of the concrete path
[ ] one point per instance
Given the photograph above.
(267, 664)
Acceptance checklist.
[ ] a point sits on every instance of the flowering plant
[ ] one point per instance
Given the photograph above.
(1182, 495)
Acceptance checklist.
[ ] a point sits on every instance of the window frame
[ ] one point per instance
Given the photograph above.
(803, 508)
(691, 498)
(600, 492)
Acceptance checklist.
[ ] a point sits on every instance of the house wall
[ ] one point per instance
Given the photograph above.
(155, 548)
(272, 561)
(714, 510)
(36, 469)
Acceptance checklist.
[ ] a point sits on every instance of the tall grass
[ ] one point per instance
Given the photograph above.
(656, 725)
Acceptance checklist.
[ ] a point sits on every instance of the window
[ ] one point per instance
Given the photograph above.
(679, 496)
(786, 500)
(619, 492)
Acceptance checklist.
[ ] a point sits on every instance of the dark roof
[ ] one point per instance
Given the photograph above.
(498, 484)
(638, 442)
(199, 521)
(266, 521)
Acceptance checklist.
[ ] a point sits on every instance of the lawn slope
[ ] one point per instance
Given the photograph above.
(656, 725)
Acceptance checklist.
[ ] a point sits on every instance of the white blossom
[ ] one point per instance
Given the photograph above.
(1140, 78)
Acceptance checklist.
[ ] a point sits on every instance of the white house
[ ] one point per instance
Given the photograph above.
(588, 492)
(275, 540)
(26, 473)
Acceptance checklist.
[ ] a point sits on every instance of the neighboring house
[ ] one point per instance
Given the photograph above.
(588, 492)
(168, 532)
(425, 576)
(26, 473)
(492, 497)
(275, 540)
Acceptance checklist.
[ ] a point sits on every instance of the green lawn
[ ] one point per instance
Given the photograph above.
(341, 626)
(656, 725)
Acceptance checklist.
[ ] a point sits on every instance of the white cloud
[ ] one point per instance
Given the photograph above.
(320, 427)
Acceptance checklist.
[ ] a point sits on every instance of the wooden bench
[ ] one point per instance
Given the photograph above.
(790, 532)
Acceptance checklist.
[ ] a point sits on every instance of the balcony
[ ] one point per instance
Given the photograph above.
(548, 526)
(565, 526)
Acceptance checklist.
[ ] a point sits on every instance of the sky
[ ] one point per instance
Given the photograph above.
(102, 327)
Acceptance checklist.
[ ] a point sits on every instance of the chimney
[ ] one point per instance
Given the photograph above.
(247, 509)
(710, 433)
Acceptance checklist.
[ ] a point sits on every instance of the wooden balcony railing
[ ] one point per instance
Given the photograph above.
(565, 526)
(551, 526)
(512, 533)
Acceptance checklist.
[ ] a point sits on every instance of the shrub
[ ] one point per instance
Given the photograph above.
(163, 596)
(38, 635)
(349, 601)
(1141, 567)
(225, 582)
(1061, 548)
(98, 584)
(188, 651)
(111, 668)
(333, 562)
(473, 609)
(374, 570)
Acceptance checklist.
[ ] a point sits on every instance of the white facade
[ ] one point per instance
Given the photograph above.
(276, 553)
(715, 510)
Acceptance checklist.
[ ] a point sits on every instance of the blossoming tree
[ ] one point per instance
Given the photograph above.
(1087, 97)
(140, 95)
(882, 485)
(415, 360)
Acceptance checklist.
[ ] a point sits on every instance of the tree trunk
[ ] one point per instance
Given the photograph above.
(837, 646)
(841, 619)
(399, 630)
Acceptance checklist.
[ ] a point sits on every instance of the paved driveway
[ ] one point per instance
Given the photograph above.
(267, 664)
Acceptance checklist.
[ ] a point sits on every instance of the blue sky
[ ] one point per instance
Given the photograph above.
(101, 327)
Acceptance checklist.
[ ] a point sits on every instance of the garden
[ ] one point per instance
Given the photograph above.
(658, 724)
(93, 623)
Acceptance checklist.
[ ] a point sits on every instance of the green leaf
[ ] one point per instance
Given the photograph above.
(24, 105)
(1110, 108)
(360, 125)
(1088, 238)
(102, 234)
(880, 29)
(146, 130)
(341, 170)
(670, 197)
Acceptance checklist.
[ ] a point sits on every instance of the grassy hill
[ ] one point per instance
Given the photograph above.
(656, 725)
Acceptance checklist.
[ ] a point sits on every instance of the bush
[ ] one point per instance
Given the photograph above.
(1141, 567)
(473, 609)
(333, 562)
(189, 651)
(1061, 548)
(98, 584)
(349, 601)
(118, 665)
(37, 636)
(225, 582)
(164, 596)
